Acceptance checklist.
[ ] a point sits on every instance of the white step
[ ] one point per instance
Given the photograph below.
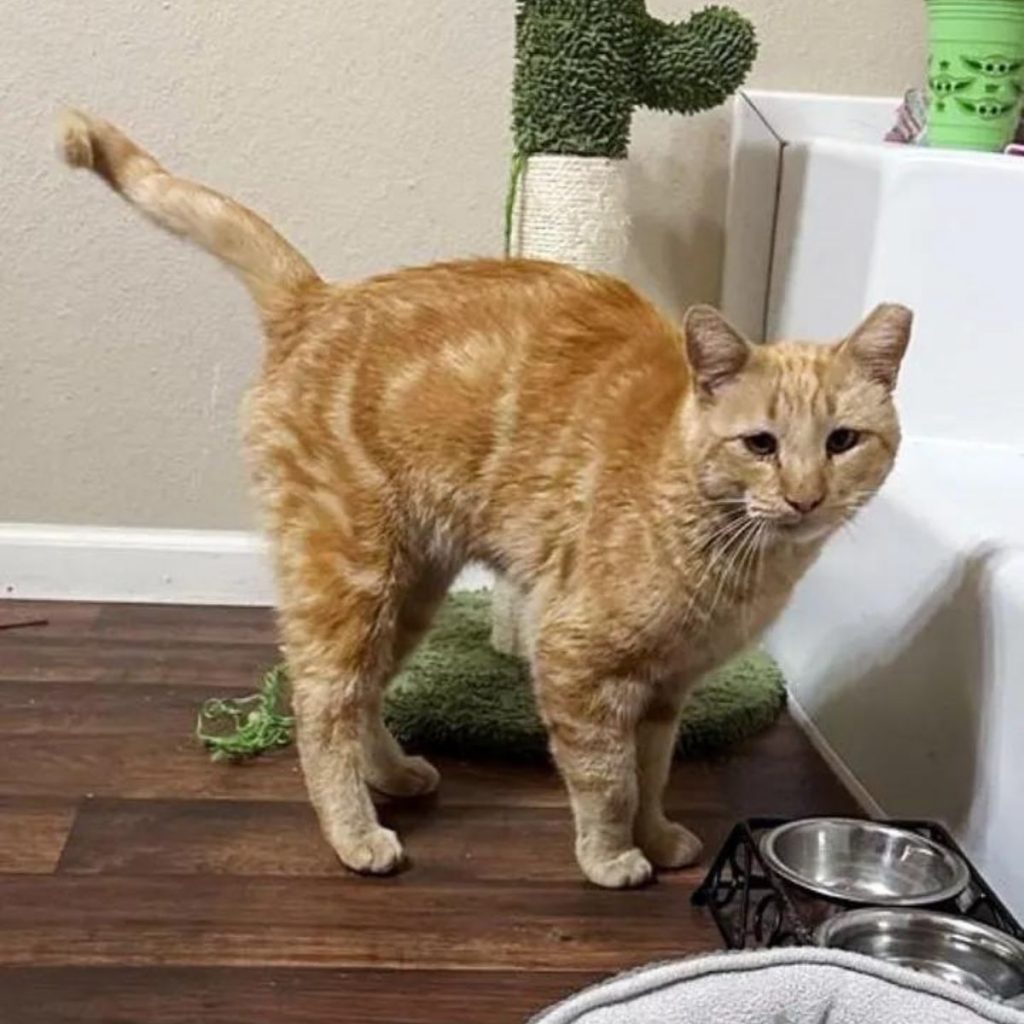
(904, 647)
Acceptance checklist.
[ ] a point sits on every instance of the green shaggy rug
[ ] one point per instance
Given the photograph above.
(459, 696)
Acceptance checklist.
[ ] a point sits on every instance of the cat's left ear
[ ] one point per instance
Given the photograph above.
(877, 346)
(717, 352)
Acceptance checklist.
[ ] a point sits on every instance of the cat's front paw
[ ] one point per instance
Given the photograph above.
(377, 852)
(669, 845)
(622, 871)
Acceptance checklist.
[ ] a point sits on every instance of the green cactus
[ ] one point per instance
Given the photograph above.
(583, 65)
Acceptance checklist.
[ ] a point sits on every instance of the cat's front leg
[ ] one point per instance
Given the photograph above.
(666, 843)
(592, 726)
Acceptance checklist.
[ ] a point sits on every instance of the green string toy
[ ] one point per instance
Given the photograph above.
(240, 728)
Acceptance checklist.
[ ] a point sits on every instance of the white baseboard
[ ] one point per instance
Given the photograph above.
(840, 769)
(91, 563)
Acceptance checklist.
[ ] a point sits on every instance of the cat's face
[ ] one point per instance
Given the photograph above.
(795, 437)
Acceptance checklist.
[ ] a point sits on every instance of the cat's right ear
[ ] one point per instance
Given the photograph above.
(717, 352)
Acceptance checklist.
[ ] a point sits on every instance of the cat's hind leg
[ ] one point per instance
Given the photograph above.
(666, 843)
(339, 613)
(388, 769)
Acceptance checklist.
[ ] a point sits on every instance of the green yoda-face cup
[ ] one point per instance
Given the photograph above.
(975, 72)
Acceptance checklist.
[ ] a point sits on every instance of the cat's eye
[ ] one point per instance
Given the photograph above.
(761, 444)
(842, 439)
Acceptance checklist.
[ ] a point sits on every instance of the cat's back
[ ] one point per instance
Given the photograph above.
(436, 366)
(481, 305)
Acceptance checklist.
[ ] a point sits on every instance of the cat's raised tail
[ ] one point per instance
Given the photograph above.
(264, 260)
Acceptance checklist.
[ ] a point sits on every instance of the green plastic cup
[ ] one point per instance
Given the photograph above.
(975, 72)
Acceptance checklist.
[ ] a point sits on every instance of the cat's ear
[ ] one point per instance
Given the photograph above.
(717, 352)
(877, 346)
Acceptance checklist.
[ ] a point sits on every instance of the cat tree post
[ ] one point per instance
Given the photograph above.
(569, 209)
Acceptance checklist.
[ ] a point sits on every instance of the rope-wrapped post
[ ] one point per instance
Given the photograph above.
(569, 209)
(572, 209)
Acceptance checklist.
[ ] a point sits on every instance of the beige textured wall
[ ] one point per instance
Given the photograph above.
(373, 134)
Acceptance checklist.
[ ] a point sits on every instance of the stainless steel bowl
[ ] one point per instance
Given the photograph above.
(955, 948)
(864, 862)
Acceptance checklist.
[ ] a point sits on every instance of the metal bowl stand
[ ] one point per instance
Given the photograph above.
(756, 908)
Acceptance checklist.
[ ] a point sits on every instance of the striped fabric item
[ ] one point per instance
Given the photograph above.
(911, 119)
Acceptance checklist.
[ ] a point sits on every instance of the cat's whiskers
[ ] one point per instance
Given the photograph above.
(760, 555)
(855, 501)
(721, 530)
(849, 509)
(740, 581)
(751, 574)
(732, 531)
(749, 559)
(712, 545)
(750, 528)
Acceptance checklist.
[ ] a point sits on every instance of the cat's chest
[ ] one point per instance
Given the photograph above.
(730, 629)
(715, 624)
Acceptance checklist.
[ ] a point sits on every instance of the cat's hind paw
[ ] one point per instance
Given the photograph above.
(669, 845)
(413, 776)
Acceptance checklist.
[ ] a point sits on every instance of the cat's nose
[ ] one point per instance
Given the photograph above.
(804, 505)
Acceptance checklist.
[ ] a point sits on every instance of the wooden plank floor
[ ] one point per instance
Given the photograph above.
(140, 883)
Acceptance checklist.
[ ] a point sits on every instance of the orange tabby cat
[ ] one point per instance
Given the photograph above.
(655, 492)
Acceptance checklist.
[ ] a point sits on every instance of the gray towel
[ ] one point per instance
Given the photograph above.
(780, 986)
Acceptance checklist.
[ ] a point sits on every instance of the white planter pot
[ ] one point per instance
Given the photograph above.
(569, 209)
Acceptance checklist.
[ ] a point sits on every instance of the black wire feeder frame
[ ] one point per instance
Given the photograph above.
(754, 907)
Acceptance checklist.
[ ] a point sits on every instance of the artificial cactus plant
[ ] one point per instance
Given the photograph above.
(583, 66)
